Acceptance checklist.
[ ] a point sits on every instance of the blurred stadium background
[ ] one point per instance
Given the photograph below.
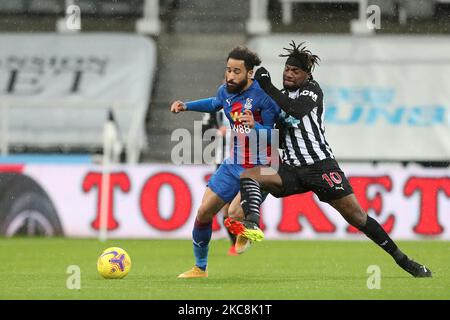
(85, 126)
(85, 83)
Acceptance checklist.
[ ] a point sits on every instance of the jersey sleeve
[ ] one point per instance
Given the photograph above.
(310, 97)
(209, 105)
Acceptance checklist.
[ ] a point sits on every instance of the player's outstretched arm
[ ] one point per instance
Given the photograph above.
(208, 105)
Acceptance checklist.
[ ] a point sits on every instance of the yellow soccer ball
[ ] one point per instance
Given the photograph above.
(114, 263)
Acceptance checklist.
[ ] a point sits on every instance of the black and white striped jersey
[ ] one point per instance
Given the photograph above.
(302, 131)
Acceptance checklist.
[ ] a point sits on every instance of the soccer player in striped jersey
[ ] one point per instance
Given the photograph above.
(308, 161)
(251, 113)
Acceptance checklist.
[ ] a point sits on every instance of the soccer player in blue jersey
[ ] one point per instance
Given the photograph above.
(220, 122)
(249, 109)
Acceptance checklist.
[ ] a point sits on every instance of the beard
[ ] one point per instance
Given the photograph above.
(236, 87)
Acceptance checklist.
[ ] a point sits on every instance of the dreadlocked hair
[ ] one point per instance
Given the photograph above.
(303, 55)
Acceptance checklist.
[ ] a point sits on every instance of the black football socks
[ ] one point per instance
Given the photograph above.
(376, 233)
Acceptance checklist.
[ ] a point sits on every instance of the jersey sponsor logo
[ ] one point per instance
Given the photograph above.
(309, 93)
(236, 112)
(235, 115)
(240, 128)
(236, 108)
(237, 126)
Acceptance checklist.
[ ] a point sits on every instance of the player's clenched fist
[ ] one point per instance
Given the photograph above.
(178, 106)
(247, 119)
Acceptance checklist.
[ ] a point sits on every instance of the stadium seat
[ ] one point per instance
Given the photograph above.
(11, 6)
(88, 6)
(46, 6)
(119, 8)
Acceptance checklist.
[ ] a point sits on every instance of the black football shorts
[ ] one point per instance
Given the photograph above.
(324, 178)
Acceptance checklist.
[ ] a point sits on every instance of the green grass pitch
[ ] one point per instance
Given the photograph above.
(36, 269)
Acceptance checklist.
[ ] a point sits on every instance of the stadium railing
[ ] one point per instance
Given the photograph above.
(259, 24)
(287, 7)
(147, 11)
(149, 23)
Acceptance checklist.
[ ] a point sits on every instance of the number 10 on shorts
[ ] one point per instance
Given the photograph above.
(332, 178)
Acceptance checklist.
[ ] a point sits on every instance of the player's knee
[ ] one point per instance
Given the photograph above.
(245, 175)
(359, 219)
(203, 214)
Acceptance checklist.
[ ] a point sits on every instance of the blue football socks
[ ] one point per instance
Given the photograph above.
(201, 235)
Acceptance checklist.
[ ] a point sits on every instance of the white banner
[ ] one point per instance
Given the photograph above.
(56, 90)
(160, 201)
(87, 68)
(386, 97)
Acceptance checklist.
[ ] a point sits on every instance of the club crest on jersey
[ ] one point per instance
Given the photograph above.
(248, 104)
